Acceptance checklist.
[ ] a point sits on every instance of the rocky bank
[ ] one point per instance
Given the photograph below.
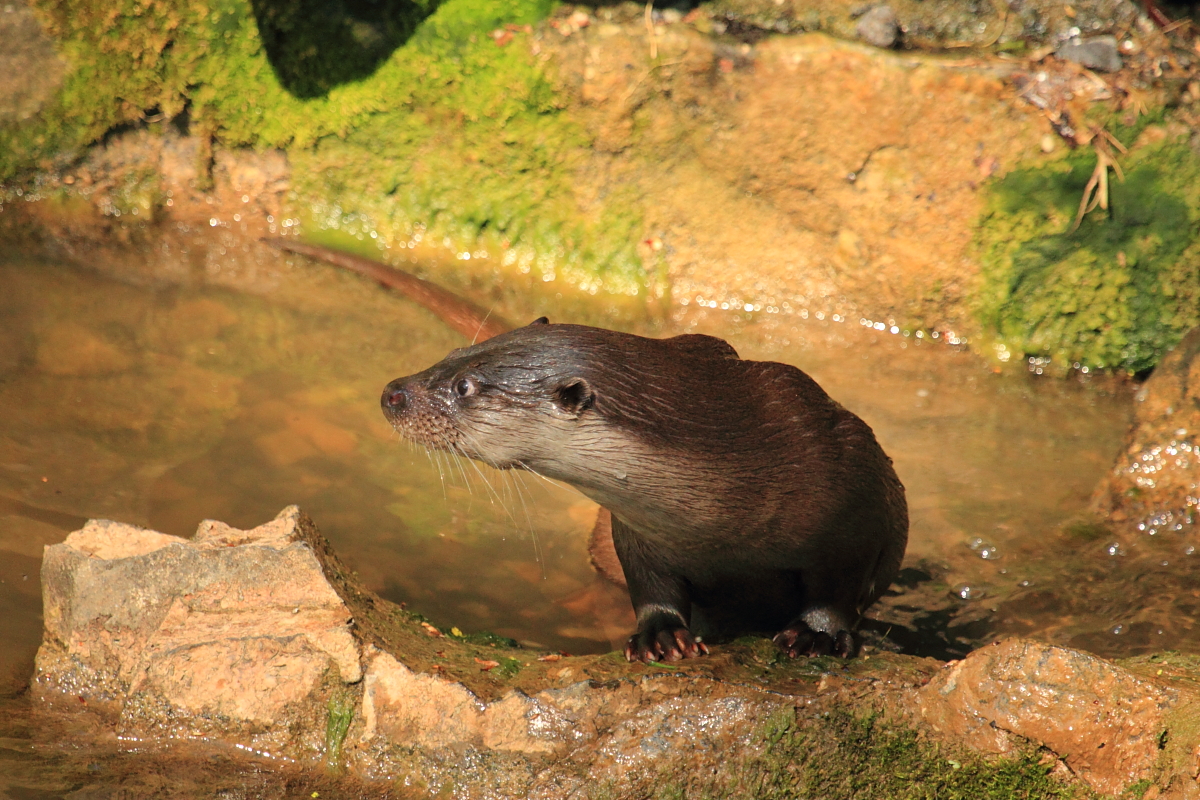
(259, 640)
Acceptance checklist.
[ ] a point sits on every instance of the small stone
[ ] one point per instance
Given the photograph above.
(1097, 52)
(879, 27)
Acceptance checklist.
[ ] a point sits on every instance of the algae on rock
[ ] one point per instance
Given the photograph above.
(1115, 293)
(451, 136)
(864, 756)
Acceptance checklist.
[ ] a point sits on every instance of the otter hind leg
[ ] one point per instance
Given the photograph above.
(602, 551)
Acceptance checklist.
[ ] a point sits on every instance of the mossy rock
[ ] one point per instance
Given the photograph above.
(401, 117)
(1117, 292)
(866, 756)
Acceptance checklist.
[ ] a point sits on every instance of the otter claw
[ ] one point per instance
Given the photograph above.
(667, 645)
(798, 639)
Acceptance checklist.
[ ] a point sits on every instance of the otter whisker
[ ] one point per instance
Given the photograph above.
(436, 455)
(495, 495)
(537, 547)
(512, 481)
(455, 458)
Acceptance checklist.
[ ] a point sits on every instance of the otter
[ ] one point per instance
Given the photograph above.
(742, 498)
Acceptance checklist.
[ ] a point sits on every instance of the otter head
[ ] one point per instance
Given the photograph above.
(511, 401)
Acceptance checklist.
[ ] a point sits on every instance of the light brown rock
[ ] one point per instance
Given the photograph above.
(253, 174)
(1103, 721)
(245, 638)
(402, 706)
(229, 630)
(108, 540)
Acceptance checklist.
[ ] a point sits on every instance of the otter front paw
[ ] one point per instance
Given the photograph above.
(664, 642)
(798, 639)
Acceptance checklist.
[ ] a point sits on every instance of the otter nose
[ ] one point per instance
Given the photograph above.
(395, 397)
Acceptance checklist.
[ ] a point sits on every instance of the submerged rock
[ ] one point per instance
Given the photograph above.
(1098, 52)
(260, 639)
(879, 27)
(1155, 484)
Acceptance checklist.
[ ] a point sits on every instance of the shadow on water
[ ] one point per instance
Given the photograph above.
(316, 45)
(919, 616)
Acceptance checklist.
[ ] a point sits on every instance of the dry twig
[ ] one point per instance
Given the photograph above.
(1096, 192)
(650, 29)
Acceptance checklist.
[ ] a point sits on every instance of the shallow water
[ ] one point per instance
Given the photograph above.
(164, 404)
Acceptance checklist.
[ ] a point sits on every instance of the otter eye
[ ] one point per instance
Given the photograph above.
(465, 387)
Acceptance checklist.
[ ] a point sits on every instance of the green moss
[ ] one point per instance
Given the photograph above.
(509, 667)
(138, 194)
(1116, 293)
(340, 713)
(417, 124)
(488, 639)
(1137, 789)
(860, 757)
(1085, 530)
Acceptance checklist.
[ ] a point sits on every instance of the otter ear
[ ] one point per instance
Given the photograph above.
(540, 321)
(574, 397)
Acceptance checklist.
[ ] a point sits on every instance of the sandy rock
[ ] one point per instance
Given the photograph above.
(754, 205)
(1155, 484)
(936, 25)
(70, 349)
(879, 27)
(30, 70)
(558, 742)
(179, 162)
(252, 174)
(701, 726)
(1103, 721)
(108, 540)
(245, 638)
(230, 631)
(402, 706)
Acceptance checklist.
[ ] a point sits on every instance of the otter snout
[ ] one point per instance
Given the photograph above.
(396, 398)
(418, 413)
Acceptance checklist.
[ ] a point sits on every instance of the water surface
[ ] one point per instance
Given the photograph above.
(164, 402)
(167, 404)
(167, 401)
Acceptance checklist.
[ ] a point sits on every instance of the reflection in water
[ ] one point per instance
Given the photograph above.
(165, 406)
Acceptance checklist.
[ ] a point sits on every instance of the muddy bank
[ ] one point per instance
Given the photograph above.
(313, 671)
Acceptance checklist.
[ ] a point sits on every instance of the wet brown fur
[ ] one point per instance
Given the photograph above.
(742, 497)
